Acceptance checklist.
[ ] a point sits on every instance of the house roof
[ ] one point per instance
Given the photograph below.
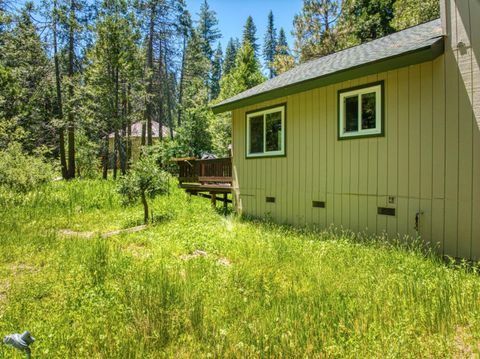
(414, 45)
(137, 130)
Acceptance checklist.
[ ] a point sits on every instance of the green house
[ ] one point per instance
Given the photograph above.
(383, 137)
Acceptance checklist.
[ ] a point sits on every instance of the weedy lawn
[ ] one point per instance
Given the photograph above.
(198, 283)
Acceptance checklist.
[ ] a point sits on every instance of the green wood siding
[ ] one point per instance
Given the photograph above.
(428, 161)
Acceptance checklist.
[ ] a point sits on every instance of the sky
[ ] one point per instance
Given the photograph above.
(232, 15)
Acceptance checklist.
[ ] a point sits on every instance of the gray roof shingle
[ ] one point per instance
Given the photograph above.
(136, 130)
(402, 42)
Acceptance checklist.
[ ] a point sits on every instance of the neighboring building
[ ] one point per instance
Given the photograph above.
(381, 137)
(136, 137)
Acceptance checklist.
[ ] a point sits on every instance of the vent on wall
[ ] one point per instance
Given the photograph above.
(270, 199)
(318, 204)
(386, 211)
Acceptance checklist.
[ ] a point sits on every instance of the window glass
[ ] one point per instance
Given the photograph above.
(256, 134)
(274, 131)
(368, 111)
(351, 114)
(360, 113)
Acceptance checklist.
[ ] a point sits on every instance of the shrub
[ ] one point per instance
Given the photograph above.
(86, 156)
(166, 150)
(144, 180)
(22, 172)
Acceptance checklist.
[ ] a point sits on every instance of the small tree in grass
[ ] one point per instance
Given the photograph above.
(144, 180)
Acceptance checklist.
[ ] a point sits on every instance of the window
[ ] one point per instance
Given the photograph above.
(361, 111)
(266, 132)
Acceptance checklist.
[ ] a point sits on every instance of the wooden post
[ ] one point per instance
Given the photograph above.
(213, 198)
(225, 203)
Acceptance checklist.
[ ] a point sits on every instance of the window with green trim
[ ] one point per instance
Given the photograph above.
(266, 132)
(360, 111)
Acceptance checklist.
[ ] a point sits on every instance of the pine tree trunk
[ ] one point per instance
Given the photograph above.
(105, 158)
(168, 95)
(144, 133)
(123, 144)
(115, 154)
(61, 129)
(149, 107)
(117, 124)
(161, 92)
(182, 79)
(129, 128)
(71, 118)
(145, 208)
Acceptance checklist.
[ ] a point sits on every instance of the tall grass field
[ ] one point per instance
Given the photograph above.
(200, 283)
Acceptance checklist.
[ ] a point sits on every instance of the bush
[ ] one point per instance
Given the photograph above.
(22, 172)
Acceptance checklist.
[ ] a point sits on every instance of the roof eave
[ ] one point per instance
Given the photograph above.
(414, 57)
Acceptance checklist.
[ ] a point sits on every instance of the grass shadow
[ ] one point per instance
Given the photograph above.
(224, 211)
(155, 219)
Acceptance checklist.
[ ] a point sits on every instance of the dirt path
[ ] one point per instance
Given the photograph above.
(88, 235)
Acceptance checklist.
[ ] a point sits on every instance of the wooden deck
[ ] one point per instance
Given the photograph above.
(206, 178)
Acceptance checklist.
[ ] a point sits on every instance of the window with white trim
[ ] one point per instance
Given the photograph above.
(266, 132)
(360, 111)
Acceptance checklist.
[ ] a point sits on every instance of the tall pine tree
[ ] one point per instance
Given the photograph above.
(230, 56)
(282, 45)
(367, 20)
(315, 29)
(270, 45)
(114, 64)
(209, 34)
(26, 74)
(208, 29)
(250, 35)
(184, 28)
(283, 60)
(216, 72)
(193, 136)
(246, 74)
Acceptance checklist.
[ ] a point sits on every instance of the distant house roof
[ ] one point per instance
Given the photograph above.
(137, 130)
(414, 45)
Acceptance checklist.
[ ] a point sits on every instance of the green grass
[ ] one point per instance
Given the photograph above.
(287, 293)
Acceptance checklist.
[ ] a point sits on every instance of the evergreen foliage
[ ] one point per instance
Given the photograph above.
(246, 74)
(315, 31)
(283, 60)
(193, 137)
(250, 35)
(270, 45)
(282, 45)
(197, 67)
(114, 63)
(368, 19)
(25, 94)
(230, 56)
(326, 26)
(217, 64)
(407, 13)
(90, 69)
(209, 33)
(208, 29)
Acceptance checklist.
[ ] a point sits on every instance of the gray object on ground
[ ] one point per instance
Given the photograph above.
(20, 341)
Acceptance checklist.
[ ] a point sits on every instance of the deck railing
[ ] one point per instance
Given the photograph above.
(192, 170)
